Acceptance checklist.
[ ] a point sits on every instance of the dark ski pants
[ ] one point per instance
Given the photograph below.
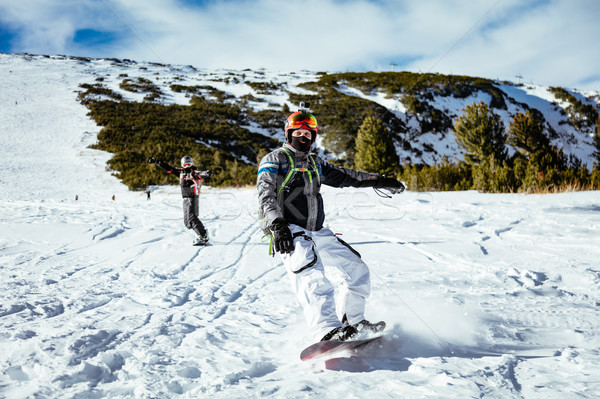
(190, 215)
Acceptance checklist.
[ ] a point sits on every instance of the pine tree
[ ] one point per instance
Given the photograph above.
(375, 151)
(597, 142)
(526, 132)
(480, 132)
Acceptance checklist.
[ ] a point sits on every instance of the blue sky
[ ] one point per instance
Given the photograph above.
(548, 42)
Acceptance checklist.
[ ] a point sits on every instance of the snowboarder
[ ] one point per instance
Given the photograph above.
(190, 181)
(291, 209)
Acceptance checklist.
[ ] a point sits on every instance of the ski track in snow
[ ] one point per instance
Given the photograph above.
(484, 295)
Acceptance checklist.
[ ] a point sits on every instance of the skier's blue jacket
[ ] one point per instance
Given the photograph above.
(295, 197)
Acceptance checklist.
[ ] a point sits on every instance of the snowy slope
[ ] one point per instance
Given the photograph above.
(485, 295)
(428, 147)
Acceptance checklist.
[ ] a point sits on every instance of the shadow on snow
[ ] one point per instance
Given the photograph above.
(395, 350)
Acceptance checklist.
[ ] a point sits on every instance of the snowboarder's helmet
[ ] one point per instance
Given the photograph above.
(186, 161)
(300, 120)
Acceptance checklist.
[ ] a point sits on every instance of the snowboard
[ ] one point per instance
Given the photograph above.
(330, 348)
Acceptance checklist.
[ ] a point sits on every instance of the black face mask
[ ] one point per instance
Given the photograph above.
(301, 143)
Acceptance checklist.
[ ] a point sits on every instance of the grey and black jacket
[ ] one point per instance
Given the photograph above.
(190, 179)
(295, 197)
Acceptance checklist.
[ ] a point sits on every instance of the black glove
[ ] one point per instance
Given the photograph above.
(151, 160)
(208, 173)
(282, 238)
(390, 183)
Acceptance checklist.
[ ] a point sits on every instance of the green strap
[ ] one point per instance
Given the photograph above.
(270, 238)
(294, 169)
(290, 173)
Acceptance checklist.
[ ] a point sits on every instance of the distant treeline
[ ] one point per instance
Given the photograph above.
(212, 131)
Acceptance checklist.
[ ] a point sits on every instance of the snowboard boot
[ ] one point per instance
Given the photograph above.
(343, 333)
(367, 326)
(201, 240)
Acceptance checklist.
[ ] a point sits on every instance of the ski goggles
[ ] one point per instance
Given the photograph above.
(301, 121)
(187, 165)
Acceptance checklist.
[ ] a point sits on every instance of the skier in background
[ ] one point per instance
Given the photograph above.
(291, 209)
(190, 181)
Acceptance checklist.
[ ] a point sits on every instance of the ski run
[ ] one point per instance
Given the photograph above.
(484, 295)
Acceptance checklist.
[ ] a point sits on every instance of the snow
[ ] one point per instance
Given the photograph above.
(485, 295)
(541, 98)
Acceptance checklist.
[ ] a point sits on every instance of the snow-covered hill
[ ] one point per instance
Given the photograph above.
(269, 90)
(485, 295)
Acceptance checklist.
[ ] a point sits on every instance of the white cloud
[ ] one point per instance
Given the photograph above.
(547, 41)
(49, 27)
(550, 44)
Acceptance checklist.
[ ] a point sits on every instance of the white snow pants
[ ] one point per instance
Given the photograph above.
(329, 279)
